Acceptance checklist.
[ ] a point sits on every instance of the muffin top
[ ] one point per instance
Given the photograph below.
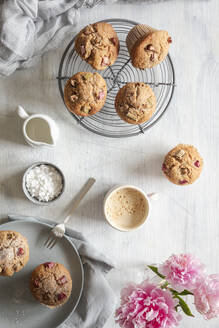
(51, 284)
(98, 44)
(182, 165)
(135, 102)
(151, 49)
(14, 252)
(85, 93)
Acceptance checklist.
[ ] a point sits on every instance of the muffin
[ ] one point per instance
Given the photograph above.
(98, 44)
(51, 284)
(14, 252)
(85, 93)
(135, 103)
(182, 165)
(147, 47)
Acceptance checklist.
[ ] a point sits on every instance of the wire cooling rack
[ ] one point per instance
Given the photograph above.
(106, 122)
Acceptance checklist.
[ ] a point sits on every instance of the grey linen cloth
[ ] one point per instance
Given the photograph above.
(28, 28)
(98, 301)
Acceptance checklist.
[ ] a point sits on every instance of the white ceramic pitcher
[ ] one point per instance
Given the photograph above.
(38, 129)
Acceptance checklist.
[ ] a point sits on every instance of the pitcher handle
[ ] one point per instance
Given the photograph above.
(21, 112)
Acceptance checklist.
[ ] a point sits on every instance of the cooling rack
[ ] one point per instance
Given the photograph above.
(106, 122)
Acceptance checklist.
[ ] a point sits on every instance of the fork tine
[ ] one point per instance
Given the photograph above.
(50, 242)
(53, 244)
(47, 241)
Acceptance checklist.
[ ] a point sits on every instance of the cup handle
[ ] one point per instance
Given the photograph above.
(153, 196)
(21, 112)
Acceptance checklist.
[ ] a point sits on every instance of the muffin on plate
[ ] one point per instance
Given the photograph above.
(51, 284)
(135, 102)
(147, 47)
(14, 252)
(182, 165)
(98, 44)
(85, 93)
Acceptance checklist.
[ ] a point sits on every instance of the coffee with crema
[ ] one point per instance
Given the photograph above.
(126, 208)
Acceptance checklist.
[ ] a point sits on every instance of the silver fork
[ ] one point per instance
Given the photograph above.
(59, 230)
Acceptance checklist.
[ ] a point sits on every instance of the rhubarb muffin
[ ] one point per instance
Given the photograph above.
(51, 284)
(85, 93)
(14, 252)
(135, 103)
(147, 46)
(98, 44)
(182, 165)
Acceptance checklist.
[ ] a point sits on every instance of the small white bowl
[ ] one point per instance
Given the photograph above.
(33, 199)
(116, 188)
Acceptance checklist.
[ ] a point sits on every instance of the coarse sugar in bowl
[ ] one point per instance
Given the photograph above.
(43, 183)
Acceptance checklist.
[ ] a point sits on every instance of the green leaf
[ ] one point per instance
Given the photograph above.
(155, 270)
(184, 293)
(184, 306)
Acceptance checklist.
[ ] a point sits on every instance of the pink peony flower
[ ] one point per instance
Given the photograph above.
(182, 271)
(206, 296)
(147, 306)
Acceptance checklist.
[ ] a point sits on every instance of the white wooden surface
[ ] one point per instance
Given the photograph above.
(184, 218)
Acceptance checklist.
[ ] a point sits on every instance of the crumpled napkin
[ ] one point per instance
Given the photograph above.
(98, 300)
(28, 28)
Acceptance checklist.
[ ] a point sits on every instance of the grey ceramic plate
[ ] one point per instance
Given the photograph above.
(18, 308)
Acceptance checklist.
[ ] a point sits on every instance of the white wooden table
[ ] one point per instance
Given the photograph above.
(184, 219)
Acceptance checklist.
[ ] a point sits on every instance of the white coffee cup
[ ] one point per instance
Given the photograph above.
(146, 198)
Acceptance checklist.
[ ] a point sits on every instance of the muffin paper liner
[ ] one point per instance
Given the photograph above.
(136, 33)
